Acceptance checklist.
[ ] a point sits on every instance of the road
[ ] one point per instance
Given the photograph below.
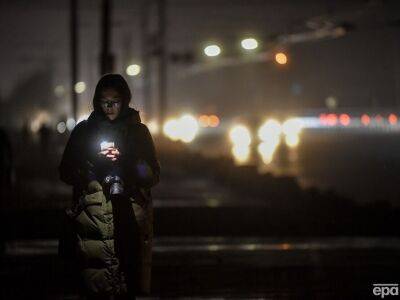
(209, 243)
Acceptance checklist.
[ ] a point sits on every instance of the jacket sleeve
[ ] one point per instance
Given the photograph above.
(146, 166)
(72, 168)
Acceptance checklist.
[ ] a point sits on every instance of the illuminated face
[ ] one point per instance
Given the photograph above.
(111, 103)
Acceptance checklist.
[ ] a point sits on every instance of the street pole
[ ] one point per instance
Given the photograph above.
(74, 55)
(162, 71)
(145, 49)
(106, 59)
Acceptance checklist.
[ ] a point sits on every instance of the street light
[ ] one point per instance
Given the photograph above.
(212, 50)
(249, 44)
(281, 58)
(133, 70)
(59, 91)
(80, 87)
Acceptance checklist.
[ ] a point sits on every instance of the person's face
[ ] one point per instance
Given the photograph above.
(111, 102)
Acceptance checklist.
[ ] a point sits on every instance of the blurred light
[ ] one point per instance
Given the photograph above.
(281, 58)
(133, 70)
(344, 119)
(71, 124)
(269, 129)
(204, 121)
(250, 247)
(249, 44)
(80, 87)
(171, 129)
(378, 119)
(213, 202)
(267, 150)
(241, 153)
(213, 248)
(61, 127)
(41, 118)
(82, 117)
(323, 119)
(213, 121)
(339, 31)
(240, 136)
(331, 102)
(292, 126)
(188, 128)
(392, 119)
(331, 119)
(153, 127)
(212, 50)
(365, 120)
(311, 122)
(59, 91)
(184, 129)
(285, 246)
(292, 140)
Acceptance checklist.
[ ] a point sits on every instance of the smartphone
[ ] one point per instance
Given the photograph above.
(104, 145)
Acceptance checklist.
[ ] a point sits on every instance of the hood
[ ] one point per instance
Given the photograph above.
(117, 82)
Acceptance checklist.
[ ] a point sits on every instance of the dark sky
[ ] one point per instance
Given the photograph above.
(360, 69)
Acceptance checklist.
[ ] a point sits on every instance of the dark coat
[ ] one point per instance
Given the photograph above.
(110, 240)
(138, 163)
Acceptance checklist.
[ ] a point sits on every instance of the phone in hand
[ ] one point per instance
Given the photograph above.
(105, 145)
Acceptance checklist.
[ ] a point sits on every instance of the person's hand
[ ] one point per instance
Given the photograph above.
(110, 153)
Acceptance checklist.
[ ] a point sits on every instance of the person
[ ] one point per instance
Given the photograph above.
(109, 230)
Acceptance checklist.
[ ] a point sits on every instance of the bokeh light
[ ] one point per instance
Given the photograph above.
(365, 120)
(249, 44)
(292, 140)
(185, 128)
(171, 129)
(61, 127)
(344, 119)
(269, 129)
(204, 121)
(213, 121)
(292, 126)
(281, 58)
(267, 151)
(133, 70)
(188, 128)
(241, 153)
(240, 135)
(80, 87)
(212, 50)
(392, 119)
(331, 119)
(59, 91)
(71, 124)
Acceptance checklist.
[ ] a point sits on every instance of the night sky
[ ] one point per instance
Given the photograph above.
(360, 69)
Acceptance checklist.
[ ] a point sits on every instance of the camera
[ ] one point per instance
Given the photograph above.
(114, 184)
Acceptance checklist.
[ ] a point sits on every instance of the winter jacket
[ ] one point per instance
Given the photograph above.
(110, 240)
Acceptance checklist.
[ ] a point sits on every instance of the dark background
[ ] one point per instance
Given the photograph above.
(320, 221)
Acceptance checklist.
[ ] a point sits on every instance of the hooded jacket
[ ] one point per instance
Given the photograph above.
(110, 241)
(138, 162)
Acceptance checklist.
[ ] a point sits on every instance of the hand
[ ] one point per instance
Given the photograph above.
(110, 153)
